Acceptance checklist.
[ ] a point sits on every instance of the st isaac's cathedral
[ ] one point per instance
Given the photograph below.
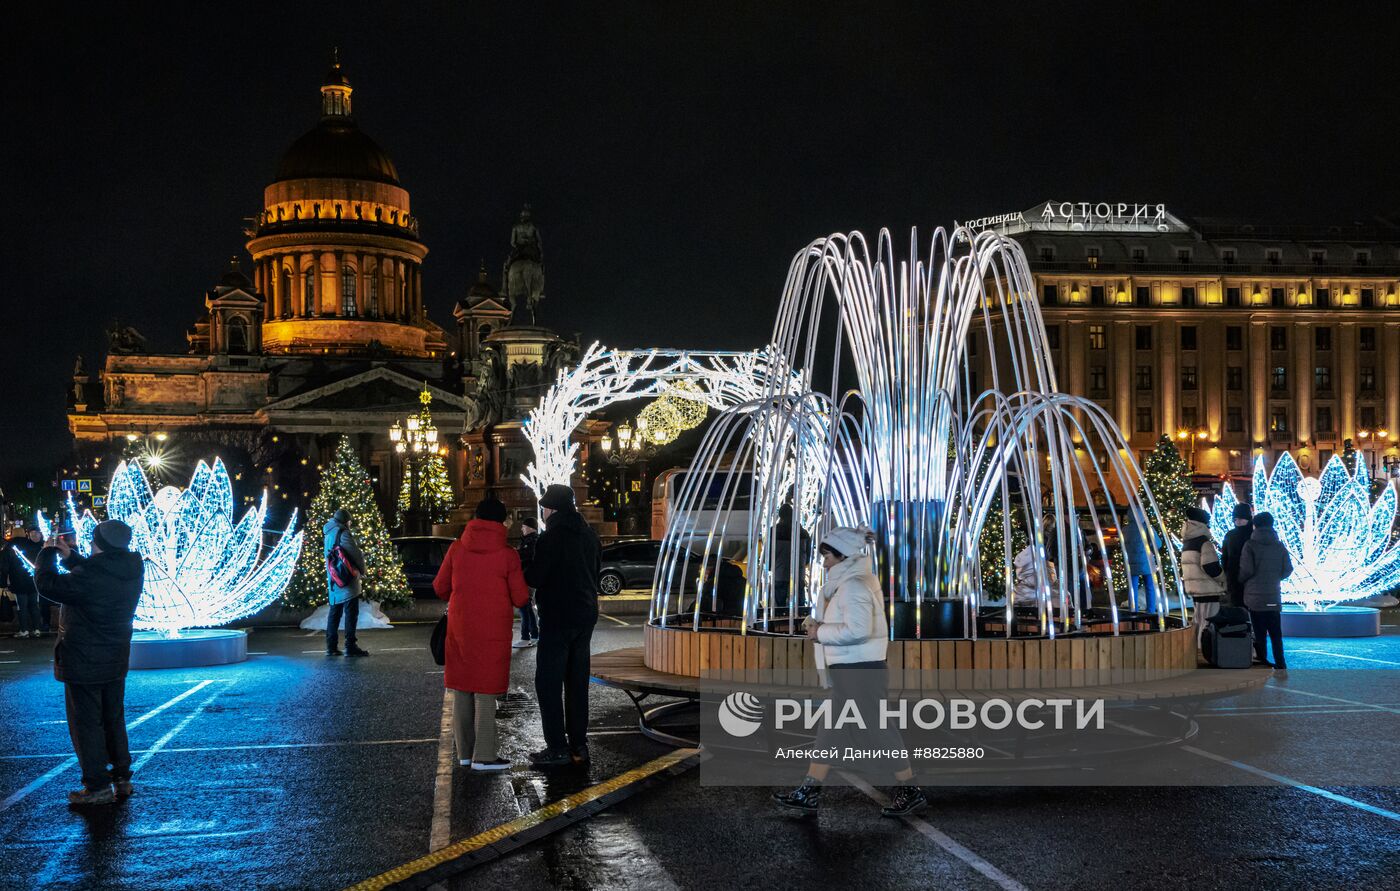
(328, 336)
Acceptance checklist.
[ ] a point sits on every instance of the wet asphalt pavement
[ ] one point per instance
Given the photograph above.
(297, 771)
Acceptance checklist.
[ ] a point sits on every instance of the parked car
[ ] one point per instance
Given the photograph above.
(632, 564)
(421, 556)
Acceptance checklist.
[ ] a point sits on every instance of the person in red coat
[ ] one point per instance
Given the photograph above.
(481, 581)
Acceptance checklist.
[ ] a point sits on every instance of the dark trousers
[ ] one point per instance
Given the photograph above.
(529, 622)
(28, 604)
(97, 725)
(1268, 623)
(561, 685)
(351, 610)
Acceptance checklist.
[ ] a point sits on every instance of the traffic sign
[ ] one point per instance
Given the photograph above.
(68, 485)
(84, 485)
(99, 500)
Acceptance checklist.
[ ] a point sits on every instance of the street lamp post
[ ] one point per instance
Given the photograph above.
(1380, 438)
(415, 441)
(1200, 433)
(632, 446)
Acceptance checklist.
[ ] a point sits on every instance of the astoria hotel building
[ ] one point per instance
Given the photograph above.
(1237, 338)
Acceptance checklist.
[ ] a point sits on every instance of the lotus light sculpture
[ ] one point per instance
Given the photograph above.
(1341, 543)
(202, 568)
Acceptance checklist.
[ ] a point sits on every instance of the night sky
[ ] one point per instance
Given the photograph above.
(676, 155)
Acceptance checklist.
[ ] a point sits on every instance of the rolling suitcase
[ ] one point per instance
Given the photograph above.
(1228, 640)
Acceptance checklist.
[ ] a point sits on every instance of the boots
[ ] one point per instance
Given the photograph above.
(907, 800)
(802, 801)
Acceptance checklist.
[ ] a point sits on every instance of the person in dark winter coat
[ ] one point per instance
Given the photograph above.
(480, 580)
(344, 599)
(564, 575)
(99, 596)
(1202, 575)
(17, 574)
(529, 622)
(1232, 550)
(1264, 564)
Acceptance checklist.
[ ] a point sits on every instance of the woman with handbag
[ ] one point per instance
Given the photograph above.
(482, 583)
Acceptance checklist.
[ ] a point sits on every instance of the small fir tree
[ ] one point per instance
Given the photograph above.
(434, 491)
(992, 553)
(346, 484)
(1168, 477)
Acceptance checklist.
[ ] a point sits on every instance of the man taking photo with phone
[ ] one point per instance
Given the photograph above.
(98, 596)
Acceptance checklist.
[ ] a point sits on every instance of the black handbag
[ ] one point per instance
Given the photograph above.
(438, 642)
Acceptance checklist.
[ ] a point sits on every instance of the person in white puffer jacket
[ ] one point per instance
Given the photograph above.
(850, 636)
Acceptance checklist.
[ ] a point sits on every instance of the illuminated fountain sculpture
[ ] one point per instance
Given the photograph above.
(203, 569)
(919, 449)
(1341, 543)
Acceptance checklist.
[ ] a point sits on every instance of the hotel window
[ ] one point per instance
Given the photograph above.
(347, 290)
(1096, 337)
(1234, 337)
(1098, 380)
(1189, 418)
(1322, 339)
(1047, 254)
(1234, 419)
(1144, 377)
(1276, 297)
(1188, 377)
(1052, 336)
(1280, 378)
(1183, 255)
(1050, 295)
(1322, 297)
(972, 383)
(1234, 378)
(1367, 379)
(1092, 256)
(1143, 296)
(1143, 337)
(1227, 256)
(1139, 255)
(1368, 417)
(1188, 296)
(1144, 420)
(1278, 420)
(1324, 419)
(1278, 338)
(1232, 297)
(1363, 258)
(1272, 256)
(1322, 378)
(1318, 257)
(1368, 298)
(1368, 338)
(1096, 296)
(308, 293)
(1188, 337)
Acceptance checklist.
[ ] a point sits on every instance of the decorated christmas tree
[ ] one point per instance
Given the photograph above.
(434, 491)
(345, 484)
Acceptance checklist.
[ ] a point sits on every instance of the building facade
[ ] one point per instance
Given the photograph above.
(1236, 338)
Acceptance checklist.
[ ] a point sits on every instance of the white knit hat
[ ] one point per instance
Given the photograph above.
(847, 540)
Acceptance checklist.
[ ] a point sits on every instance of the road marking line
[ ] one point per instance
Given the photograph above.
(9, 661)
(398, 649)
(1311, 710)
(1383, 708)
(18, 796)
(1343, 656)
(255, 653)
(441, 832)
(257, 747)
(1288, 781)
(939, 838)
(615, 619)
(534, 820)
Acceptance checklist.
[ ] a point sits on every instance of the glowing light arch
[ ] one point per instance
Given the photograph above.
(605, 376)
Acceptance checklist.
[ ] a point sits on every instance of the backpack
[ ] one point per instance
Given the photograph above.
(341, 571)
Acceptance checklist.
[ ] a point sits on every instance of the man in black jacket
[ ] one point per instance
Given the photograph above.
(529, 622)
(99, 596)
(17, 574)
(1232, 549)
(564, 575)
